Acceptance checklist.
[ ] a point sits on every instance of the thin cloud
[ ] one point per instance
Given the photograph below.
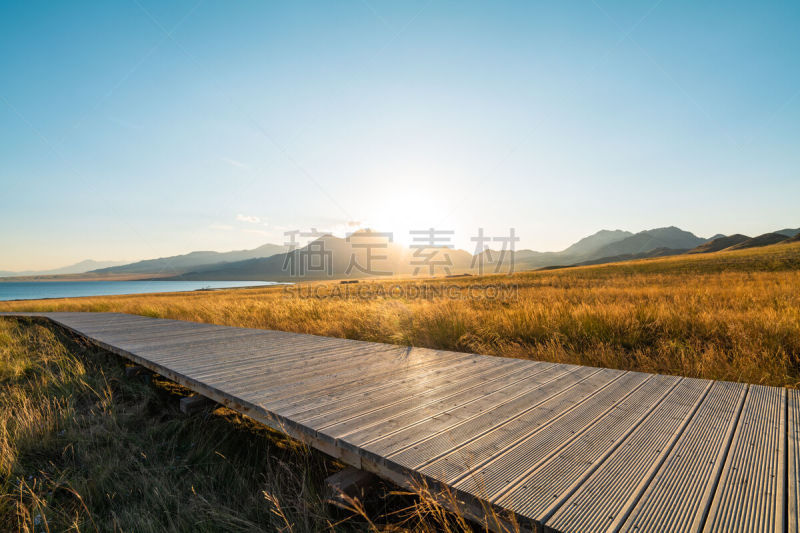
(248, 218)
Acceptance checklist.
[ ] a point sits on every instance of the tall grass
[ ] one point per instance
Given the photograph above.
(84, 449)
(731, 315)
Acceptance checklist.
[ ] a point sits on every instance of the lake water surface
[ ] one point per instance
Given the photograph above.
(33, 290)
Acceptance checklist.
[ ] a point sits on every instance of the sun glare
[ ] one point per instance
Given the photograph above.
(403, 211)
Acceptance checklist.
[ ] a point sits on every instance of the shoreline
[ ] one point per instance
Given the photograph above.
(83, 277)
(263, 284)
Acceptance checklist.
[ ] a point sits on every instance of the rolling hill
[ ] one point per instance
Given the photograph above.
(658, 252)
(762, 240)
(719, 243)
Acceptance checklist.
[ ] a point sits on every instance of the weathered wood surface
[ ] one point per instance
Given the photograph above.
(553, 447)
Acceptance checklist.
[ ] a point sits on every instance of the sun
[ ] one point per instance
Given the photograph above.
(402, 210)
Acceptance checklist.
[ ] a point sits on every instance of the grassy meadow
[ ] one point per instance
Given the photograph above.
(728, 315)
(82, 448)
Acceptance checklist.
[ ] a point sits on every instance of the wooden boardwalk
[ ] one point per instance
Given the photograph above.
(561, 447)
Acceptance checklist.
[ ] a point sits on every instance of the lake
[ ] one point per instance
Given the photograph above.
(34, 290)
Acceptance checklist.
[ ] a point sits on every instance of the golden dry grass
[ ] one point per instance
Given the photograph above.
(83, 449)
(729, 315)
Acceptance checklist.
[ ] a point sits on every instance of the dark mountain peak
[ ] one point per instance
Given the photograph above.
(762, 240)
(593, 242)
(789, 232)
(671, 237)
(720, 243)
(668, 232)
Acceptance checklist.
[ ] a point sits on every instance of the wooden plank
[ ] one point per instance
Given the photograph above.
(290, 386)
(256, 357)
(604, 500)
(419, 407)
(195, 343)
(311, 374)
(133, 332)
(140, 331)
(750, 494)
(680, 495)
(214, 350)
(406, 429)
(184, 340)
(216, 357)
(339, 399)
(417, 393)
(497, 473)
(88, 320)
(265, 344)
(423, 442)
(542, 489)
(389, 357)
(317, 359)
(260, 365)
(481, 468)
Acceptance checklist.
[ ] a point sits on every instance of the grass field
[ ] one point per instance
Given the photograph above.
(730, 315)
(84, 449)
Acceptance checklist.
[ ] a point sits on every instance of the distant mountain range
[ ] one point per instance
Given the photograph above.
(367, 252)
(605, 246)
(77, 268)
(332, 257)
(741, 242)
(179, 264)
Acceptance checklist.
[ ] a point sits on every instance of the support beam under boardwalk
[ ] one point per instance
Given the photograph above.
(195, 403)
(347, 484)
(140, 372)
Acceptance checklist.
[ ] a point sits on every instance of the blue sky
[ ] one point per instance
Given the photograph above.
(135, 129)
